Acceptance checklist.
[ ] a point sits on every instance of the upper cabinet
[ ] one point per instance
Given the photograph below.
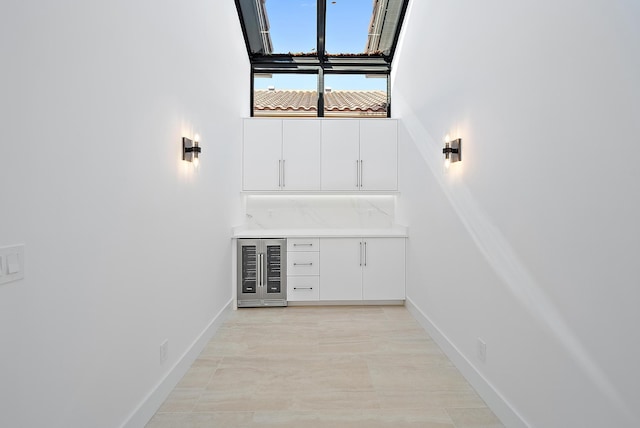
(320, 155)
(300, 154)
(360, 154)
(262, 154)
(378, 154)
(340, 154)
(281, 155)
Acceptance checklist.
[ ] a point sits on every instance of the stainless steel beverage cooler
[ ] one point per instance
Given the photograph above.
(262, 272)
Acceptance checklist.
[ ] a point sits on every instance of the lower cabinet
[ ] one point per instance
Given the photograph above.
(362, 269)
(303, 288)
(341, 269)
(303, 259)
(383, 273)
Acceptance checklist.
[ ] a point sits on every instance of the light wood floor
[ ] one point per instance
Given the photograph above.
(368, 367)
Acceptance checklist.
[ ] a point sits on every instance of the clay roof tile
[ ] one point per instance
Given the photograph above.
(354, 102)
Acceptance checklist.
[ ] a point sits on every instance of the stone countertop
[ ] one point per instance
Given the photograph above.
(392, 232)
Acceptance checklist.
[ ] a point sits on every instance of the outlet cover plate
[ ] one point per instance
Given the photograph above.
(164, 351)
(482, 350)
(11, 263)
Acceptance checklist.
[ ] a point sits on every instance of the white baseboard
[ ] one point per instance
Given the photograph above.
(152, 402)
(495, 401)
(347, 303)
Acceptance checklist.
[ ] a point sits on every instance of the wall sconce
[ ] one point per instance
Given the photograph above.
(452, 151)
(190, 149)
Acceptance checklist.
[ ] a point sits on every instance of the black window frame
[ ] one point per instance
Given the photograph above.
(316, 63)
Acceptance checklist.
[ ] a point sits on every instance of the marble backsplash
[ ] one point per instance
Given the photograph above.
(319, 211)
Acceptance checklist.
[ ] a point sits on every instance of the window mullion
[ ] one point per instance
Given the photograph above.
(321, 92)
(320, 51)
(321, 29)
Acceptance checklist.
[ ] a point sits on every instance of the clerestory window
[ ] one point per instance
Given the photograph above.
(321, 57)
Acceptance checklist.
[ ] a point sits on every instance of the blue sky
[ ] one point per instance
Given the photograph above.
(293, 29)
(293, 25)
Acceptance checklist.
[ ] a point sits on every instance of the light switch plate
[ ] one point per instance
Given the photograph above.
(12, 263)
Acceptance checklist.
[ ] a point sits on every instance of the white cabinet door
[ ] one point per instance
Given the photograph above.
(301, 154)
(262, 154)
(379, 154)
(383, 273)
(340, 154)
(340, 269)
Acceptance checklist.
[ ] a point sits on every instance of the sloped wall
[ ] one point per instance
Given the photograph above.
(126, 244)
(530, 242)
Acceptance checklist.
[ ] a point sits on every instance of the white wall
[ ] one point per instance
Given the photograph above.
(531, 242)
(126, 245)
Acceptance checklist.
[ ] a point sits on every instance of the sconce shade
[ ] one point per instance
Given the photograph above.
(190, 149)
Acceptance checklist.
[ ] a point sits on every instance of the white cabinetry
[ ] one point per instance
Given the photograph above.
(303, 270)
(300, 154)
(359, 154)
(262, 154)
(303, 263)
(378, 155)
(303, 288)
(362, 269)
(320, 154)
(383, 273)
(341, 269)
(281, 155)
(340, 154)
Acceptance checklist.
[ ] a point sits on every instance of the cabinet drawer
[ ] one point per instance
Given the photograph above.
(303, 263)
(303, 244)
(303, 288)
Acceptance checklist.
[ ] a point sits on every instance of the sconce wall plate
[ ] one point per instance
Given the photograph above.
(190, 149)
(453, 150)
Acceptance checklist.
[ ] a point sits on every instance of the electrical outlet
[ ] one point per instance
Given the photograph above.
(482, 350)
(164, 351)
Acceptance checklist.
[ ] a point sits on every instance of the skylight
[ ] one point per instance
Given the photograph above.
(331, 27)
(292, 25)
(347, 26)
(322, 38)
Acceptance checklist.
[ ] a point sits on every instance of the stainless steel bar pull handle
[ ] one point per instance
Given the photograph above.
(279, 172)
(261, 270)
(303, 288)
(303, 264)
(357, 173)
(360, 253)
(283, 168)
(365, 253)
(361, 165)
(258, 271)
(303, 245)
